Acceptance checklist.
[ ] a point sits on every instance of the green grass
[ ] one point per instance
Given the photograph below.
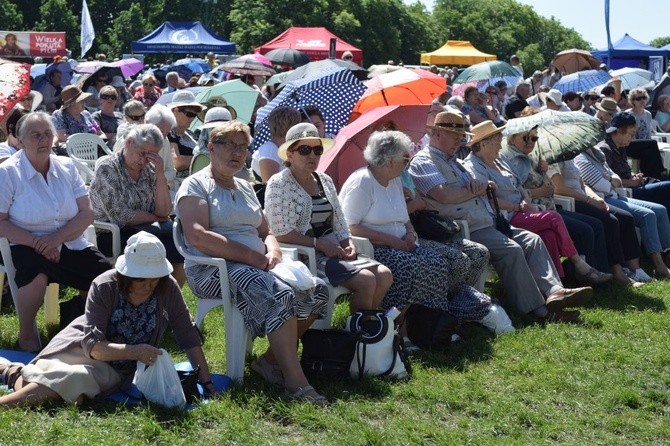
(604, 381)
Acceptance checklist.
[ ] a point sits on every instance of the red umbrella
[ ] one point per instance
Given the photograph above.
(14, 84)
(400, 87)
(347, 154)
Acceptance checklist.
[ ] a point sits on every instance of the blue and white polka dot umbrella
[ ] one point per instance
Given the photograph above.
(335, 91)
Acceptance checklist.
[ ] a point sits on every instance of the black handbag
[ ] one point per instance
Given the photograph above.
(429, 328)
(327, 353)
(430, 225)
(189, 384)
(502, 224)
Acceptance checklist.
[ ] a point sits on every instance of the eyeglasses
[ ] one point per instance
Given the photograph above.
(592, 98)
(148, 84)
(107, 97)
(136, 117)
(305, 150)
(639, 98)
(39, 136)
(527, 138)
(101, 81)
(189, 114)
(230, 145)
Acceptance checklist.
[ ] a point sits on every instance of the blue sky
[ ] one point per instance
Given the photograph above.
(642, 19)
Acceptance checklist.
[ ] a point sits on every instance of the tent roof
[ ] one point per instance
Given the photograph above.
(182, 37)
(456, 52)
(315, 42)
(627, 46)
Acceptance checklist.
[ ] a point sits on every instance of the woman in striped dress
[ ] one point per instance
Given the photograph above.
(221, 217)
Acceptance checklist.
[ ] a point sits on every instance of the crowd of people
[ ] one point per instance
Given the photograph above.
(547, 265)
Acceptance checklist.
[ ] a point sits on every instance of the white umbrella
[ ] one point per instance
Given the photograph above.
(633, 78)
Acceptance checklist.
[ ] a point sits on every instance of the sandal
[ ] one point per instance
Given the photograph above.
(302, 394)
(271, 373)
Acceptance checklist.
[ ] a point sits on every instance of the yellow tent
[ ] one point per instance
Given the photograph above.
(456, 52)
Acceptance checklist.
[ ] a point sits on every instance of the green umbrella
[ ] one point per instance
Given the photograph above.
(236, 93)
(486, 70)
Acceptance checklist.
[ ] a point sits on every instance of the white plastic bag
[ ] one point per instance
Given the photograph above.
(497, 320)
(295, 273)
(160, 382)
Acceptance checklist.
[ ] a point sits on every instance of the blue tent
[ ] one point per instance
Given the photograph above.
(629, 52)
(182, 37)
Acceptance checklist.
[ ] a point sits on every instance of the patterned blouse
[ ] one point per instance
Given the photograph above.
(66, 122)
(130, 324)
(115, 196)
(288, 207)
(147, 100)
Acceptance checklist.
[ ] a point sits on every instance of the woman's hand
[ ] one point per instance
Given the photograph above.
(144, 353)
(599, 203)
(542, 165)
(274, 258)
(544, 191)
(157, 161)
(330, 249)
(350, 252)
(410, 241)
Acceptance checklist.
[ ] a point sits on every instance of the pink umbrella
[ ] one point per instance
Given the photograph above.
(129, 67)
(260, 58)
(347, 154)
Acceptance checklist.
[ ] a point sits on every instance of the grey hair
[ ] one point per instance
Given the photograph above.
(132, 105)
(522, 84)
(385, 147)
(160, 113)
(145, 133)
(456, 101)
(171, 75)
(23, 126)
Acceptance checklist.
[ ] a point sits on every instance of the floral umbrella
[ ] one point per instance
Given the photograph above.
(14, 84)
(562, 135)
(249, 64)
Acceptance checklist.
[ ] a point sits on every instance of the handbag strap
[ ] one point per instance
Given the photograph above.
(491, 193)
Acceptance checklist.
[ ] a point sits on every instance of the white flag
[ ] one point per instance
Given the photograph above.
(87, 31)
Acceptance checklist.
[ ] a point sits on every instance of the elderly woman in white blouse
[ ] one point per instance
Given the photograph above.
(302, 208)
(44, 210)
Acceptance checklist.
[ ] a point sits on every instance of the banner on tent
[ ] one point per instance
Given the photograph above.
(32, 44)
(656, 67)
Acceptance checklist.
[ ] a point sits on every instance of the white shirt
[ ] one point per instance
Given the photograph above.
(37, 205)
(6, 150)
(268, 150)
(368, 203)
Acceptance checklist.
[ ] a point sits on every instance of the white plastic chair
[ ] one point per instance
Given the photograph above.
(82, 148)
(116, 237)
(657, 132)
(238, 340)
(566, 203)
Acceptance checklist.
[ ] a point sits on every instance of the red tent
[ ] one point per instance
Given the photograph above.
(315, 42)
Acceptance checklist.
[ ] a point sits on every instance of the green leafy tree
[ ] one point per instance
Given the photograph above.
(56, 15)
(418, 33)
(128, 26)
(11, 18)
(660, 41)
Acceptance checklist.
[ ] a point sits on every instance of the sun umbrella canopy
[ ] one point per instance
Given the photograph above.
(287, 56)
(166, 98)
(376, 70)
(633, 78)
(485, 71)
(347, 154)
(321, 66)
(573, 60)
(129, 67)
(237, 94)
(582, 81)
(14, 84)
(401, 87)
(562, 135)
(334, 91)
(248, 65)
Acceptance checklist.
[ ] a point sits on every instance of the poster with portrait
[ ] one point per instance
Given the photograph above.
(656, 67)
(32, 44)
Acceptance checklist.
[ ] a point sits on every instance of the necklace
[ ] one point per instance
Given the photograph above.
(225, 183)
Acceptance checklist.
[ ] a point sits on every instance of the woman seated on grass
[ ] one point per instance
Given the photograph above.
(127, 312)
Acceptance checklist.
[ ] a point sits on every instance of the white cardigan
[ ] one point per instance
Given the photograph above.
(288, 207)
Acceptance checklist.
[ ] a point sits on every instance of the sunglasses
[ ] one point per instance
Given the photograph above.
(305, 150)
(527, 138)
(639, 98)
(148, 84)
(592, 98)
(101, 80)
(136, 117)
(189, 114)
(107, 97)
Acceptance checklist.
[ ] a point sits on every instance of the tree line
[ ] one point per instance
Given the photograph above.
(383, 29)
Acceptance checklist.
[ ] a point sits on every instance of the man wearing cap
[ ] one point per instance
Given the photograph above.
(448, 187)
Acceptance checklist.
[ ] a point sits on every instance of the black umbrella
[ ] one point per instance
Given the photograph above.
(288, 56)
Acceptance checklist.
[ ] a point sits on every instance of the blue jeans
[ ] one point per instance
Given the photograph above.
(651, 218)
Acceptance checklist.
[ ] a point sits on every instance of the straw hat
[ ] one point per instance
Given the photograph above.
(143, 258)
(482, 131)
(451, 122)
(72, 94)
(184, 99)
(304, 131)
